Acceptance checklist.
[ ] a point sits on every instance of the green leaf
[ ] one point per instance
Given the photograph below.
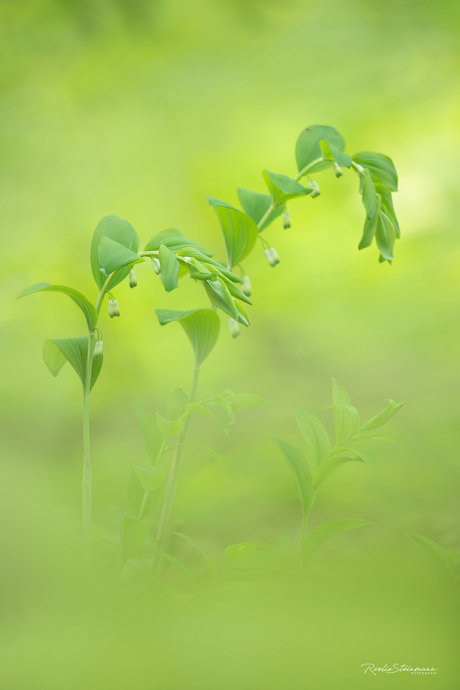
(113, 255)
(370, 225)
(342, 417)
(57, 352)
(308, 148)
(368, 192)
(179, 565)
(383, 417)
(134, 534)
(387, 205)
(168, 429)
(239, 231)
(220, 296)
(323, 533)
(212, 567)
(334, 154)
(149, 478)
(142, 481)
(80, 300)
(329, 467)
(201, 326)
(120, 231)
(197, 408)
(365, 455)
(244, 399)
(314, 434)
(236, 552)
(150, 433)
(177, 403)
(283, 188)
(175, 241)
(120, 513)
(381, 168)
(256, 205)
(440, 561)
(169, 275)
(300, 470)
(385, 236)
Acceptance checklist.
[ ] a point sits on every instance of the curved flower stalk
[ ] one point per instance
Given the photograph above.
(328, 458)
(318, 148)
(114, 253)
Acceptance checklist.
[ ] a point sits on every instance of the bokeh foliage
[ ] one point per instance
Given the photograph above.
(142, 109)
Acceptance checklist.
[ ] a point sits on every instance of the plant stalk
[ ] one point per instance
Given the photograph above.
(86, 483)
(173, 475)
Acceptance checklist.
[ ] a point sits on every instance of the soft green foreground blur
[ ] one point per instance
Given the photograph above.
(141, 109)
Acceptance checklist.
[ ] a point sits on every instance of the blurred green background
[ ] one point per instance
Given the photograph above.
(141, 109)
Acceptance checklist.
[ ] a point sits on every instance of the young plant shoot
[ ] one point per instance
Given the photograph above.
(326, 459)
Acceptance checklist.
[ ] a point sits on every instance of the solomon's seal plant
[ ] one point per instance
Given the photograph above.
(114, 252)
(318, 148)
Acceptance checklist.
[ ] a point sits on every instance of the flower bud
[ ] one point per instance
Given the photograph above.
(132, 279)
(97, 352)
(246, 287)
(156, 266)
(286, 219)
(275, 256)
(116, 308)
(315, 190)
(111, 309)
(269, 257)
(337, 170)
(234, 328)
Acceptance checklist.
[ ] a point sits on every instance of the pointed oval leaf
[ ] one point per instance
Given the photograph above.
(113, 255)
(201, 326)
(120, 231)
(300, 470)
(330, 467)
(212, 567)
(370, 225)
(175, 241)
(387, 205)
(150, 433)
(439, 560)
(383, 417)
(256, 205)
(314, 434)
(342, 417)
(368, 193)
(385, 236)
(236, 552)
(380, 166)
(308, 148)
(239, 230)
(169, 275)
(323, 533)
(334, 154)
(219, 295)
(366, 456)
(283, 188)
(74, 351)
(177, 403)
(167, 428)
(80, 300)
